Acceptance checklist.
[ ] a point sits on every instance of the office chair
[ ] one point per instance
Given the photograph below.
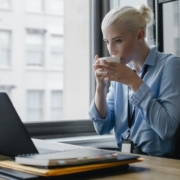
(177, 138)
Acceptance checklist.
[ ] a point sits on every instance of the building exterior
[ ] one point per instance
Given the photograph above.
(44, 55)
(39, 62)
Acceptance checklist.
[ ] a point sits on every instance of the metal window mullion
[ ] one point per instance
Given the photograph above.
(97, 11)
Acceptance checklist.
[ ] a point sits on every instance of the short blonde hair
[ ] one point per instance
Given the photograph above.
(132, 18)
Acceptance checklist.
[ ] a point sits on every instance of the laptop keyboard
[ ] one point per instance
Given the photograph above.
(49, 151)
(46, 151)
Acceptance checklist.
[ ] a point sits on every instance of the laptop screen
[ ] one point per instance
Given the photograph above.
(14, 138)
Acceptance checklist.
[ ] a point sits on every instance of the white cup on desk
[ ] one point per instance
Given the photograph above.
(109, 59)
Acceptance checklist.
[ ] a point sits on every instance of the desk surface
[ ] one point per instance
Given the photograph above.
(152, 168)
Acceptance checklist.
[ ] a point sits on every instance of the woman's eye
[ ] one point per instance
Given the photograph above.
(118, 41)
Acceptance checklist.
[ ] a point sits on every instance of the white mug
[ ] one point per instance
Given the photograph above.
(109, 59)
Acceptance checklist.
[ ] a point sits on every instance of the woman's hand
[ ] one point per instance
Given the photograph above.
(119, 72)
(100, 95)
(99, 78)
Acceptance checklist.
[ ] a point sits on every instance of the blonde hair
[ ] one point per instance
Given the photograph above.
(132, 18)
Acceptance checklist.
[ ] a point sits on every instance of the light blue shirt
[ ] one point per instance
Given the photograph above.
(157, 104)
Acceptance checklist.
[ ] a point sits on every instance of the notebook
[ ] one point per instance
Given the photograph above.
(17, 143)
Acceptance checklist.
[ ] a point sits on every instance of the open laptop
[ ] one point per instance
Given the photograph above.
(16, 142)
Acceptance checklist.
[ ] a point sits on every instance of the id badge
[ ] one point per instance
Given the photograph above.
(126, 146)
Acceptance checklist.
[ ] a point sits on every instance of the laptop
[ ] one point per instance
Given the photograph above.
(15, 142)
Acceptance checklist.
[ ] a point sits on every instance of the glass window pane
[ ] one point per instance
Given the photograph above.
(56, 7)
(171, 28)
(34, 105)
(34, 39)
(4, 48)
(4, 56)
(34, 115)
(56, 44)
(34, 58)
(56, 41)
(56, 60)
(56, 105)
(37, 44)
(34, 5)
(5, 3)
(34, 49)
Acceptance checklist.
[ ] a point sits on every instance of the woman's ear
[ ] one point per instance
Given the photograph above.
(141, 35)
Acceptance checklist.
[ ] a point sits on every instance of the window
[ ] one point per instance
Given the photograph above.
(34, 49)
(171, 28)
(176, 13)
(5, 4)
(5, 48)
(34, 105)
(177, 46)
(39, 46)
(56, 7)
(56, 46)
(56, 105)
(35, 5)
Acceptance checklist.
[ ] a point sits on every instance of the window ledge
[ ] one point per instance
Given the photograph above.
(78, 132)
(82, 138)
(96, 141)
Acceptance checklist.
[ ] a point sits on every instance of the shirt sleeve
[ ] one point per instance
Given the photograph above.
(162, 113)
(103, 126)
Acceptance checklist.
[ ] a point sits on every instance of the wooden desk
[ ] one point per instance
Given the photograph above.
(152, 168)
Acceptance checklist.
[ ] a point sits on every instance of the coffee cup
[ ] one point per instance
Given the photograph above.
(109, 59)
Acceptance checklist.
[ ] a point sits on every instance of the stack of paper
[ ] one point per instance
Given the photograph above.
(63, 170)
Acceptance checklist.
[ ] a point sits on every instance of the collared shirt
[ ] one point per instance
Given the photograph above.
(156, 102)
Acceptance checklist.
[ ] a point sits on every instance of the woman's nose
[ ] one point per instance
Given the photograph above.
(112, 50)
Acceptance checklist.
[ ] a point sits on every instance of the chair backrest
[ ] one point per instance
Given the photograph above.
(177, 138)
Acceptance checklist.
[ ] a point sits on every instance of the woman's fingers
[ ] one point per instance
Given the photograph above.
(105, 67)
(105, 71)
(96, 58)
(110, 78)
(95, 62)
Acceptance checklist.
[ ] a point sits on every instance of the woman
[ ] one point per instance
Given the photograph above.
(143, 101)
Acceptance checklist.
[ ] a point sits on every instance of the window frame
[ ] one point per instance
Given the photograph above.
(158, 5)
(58, 107)
(41, 33)
(8, 65)
(60, 129)
(60, 51)
(40, 108)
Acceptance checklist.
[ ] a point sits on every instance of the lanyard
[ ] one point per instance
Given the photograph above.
(130, 118)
